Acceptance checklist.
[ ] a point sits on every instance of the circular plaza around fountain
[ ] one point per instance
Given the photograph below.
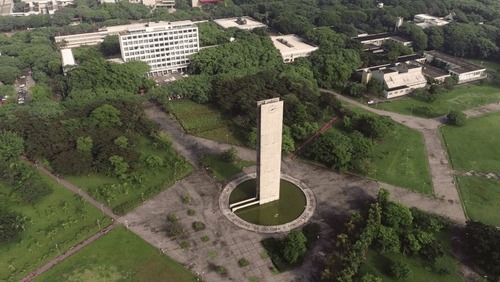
(294, 208)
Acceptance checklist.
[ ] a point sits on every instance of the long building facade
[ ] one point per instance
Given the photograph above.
(165, 46)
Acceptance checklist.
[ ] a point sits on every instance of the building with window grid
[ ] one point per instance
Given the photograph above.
(165, 46)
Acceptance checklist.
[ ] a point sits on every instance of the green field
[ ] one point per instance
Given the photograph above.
(123, 197)
(118, 256)
(461, 98)
(401, 160)
(490, 66)
(481, 198)
(475, 146)
(58, 222)
(377, 264)
(202, 120)
(222, 169)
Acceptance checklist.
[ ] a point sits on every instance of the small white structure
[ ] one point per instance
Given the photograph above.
(291, 47)
(425, 20)
(67, 59)
(150, 3)
(269, 137)
(246, 23)
(462, 70)
(397, 80)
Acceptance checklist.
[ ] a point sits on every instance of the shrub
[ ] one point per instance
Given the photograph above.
(172, 217)
(198, 226)
(186, 199)
(457, 118)
(221, 270)
(185, 245)
(212, 254)
(294, 246)
(205, 238)
(191, 212)
(230, 155)
(175, 229)
(243, 262)
(400, 270)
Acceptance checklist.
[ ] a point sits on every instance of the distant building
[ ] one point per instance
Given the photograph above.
(44, 7)
(397, 80)
(462, 70)
(291, 47)
(198, 3)
(165, 46)
(151, 3)
(425, 21)
(246, 23)
(374, 42)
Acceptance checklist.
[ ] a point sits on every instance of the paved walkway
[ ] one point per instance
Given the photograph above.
(440, 169)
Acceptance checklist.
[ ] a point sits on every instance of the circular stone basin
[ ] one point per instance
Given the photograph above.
(289, 207)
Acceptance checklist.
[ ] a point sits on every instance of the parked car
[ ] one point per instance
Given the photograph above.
(371, 102)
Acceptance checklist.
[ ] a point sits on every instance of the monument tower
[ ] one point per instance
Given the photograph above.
(269, 135)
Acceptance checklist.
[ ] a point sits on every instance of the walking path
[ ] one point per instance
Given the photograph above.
(440, 169)
(68, 253)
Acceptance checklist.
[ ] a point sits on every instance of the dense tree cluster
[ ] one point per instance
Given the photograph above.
(352, 146)
(483, 247)
(387, 227)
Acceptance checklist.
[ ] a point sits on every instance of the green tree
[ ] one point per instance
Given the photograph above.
(110, 45)
(230, 155)
(121, 142)
(11, 224)
(334, 69)
(332, 148)
(356, 89)
(457, 118)
(400, 270)
(294, 246)
(11, 145)
(84, 144)
(387, 240)
(287, 143)
(416, 34)
(8, 74)
(120, 166)
(105, 116)
(397, 216)
(483, 247)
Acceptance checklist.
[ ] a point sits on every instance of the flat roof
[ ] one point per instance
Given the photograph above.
(231, 22)
(291, 44)
(461, 66)
(400, 39)
(432, 71)
(67, 57)
(372, 37)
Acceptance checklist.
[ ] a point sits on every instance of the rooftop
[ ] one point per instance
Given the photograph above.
(247, 23)
(67, 57)
(291, 44)
(432, 71)
(458, 65)
(372, 37)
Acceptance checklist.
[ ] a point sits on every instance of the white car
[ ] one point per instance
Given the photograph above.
(20, 100)
(371, 102)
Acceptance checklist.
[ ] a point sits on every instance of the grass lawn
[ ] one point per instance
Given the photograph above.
(58, 222)
(475, 145)
(481, 198)
(123, 197)
(118, 256)
(401, 160)
(377, 265)
(222, 169)
(490, 66)
(461, 98)
(203, 120)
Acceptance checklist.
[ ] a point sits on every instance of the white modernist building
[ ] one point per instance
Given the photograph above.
(165, 46)
(151, 3)
(291, 47)
(425, 21)
(398, 80)
(246, 23)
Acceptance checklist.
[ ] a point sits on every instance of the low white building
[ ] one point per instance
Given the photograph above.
(398, 80)
(67, 59)
(151, 3)
(425, 20)
(165, 46)
(246, 23)
(462, 70)
(291, 47)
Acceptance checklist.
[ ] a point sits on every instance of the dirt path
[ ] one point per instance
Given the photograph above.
(68, 253)
(440, 169)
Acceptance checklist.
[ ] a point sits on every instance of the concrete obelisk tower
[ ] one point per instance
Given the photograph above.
(269, 134)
